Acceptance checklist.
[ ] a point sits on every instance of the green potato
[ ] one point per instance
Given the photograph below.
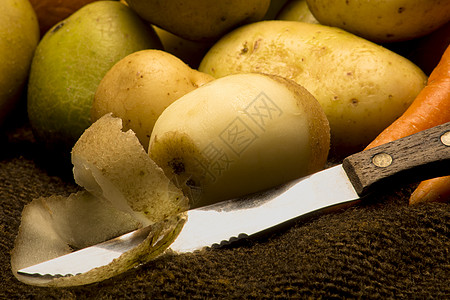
(199, 20)
(19, 36)
(69, 63)
(361, 86)
(240, 134)
(383, 21)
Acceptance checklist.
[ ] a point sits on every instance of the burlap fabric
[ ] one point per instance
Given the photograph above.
(381, 249)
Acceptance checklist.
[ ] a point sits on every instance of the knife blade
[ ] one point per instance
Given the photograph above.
(414, 158)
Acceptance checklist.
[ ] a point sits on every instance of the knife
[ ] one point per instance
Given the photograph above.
(411, 159)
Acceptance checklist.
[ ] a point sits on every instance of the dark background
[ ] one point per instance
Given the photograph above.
(380, 249)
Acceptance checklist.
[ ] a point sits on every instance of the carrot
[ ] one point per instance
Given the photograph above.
(430, 108)
(432, 190)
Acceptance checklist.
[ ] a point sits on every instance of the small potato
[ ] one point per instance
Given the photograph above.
(383, 21)
(190, 52)
(361, 86)
(240, 134)
(140, 86)
(297, 10)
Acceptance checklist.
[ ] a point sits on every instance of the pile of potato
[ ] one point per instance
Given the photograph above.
(212, 99)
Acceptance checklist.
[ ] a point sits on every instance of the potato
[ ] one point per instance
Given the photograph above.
(383, 21)
(274, 8)
(191, 52)
(19, 36)
(69, 63)
(361, 86)
(199, 20)
(297, 10)
(240, 134)
(140, 86)
(425, 52)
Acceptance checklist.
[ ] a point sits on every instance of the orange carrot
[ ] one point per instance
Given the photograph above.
(432, 190)
(430, 108)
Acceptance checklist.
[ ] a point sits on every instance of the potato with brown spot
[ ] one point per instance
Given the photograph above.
(200, 20)
(140, 86)
(333, 65)
(383, 21)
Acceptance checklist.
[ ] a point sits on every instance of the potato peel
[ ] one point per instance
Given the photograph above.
(43, 235)
(124, 190)
(115, 166)
(52, 226)
(161, 236)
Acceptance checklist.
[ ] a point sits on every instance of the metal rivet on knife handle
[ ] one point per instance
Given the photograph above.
(445, 138)
(382, 160)
(413, 158)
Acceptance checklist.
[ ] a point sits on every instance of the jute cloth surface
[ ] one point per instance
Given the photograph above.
(380, 249)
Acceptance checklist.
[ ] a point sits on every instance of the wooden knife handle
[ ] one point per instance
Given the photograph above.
(417, 157)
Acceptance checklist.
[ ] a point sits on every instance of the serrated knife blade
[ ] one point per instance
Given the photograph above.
(230, 220)
(417, 157)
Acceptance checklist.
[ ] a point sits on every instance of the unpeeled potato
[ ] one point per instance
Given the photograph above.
(50, 12)
(190, 52)
(297, 10)
(140, 86)
(383, 21)
(19, 36)
(199, 20)
(362, 86)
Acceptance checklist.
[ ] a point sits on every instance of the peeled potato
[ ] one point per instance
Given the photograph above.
(112, 164)
(240, 134)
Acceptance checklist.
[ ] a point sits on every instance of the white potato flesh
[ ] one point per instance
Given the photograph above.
(240, 134)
